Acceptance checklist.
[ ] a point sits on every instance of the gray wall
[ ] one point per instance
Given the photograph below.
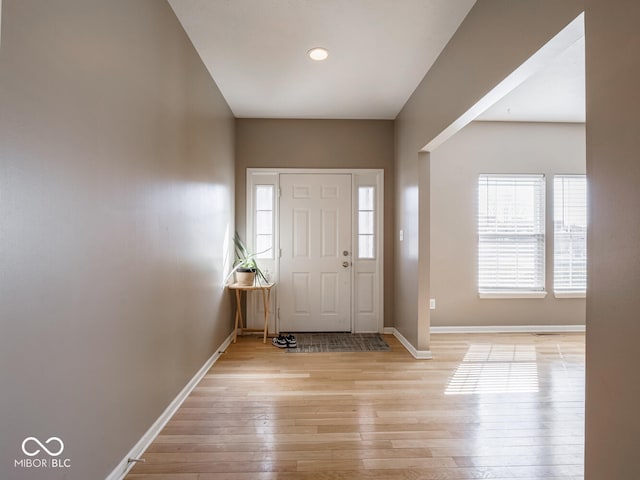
(268, 143)
(116, 193)
(494, 147)
(495, 38)
(613, 302)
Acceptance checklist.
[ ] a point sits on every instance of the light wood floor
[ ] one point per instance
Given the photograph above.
(486, 407)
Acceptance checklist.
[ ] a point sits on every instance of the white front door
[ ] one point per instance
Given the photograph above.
(315, 263)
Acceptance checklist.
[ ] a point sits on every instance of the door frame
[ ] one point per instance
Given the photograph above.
(361, 322)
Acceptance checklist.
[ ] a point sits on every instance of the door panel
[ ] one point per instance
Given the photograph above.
(315, 230)
(301, 233)
(301, 290)
(365, 292)
(329, 233)
(329, 293)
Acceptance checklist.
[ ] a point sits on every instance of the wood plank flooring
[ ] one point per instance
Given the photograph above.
(486, 407)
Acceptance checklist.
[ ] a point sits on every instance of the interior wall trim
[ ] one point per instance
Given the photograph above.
(417, 354)
(138, 449)
(510, 329)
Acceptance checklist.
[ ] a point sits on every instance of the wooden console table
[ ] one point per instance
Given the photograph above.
(266, 300)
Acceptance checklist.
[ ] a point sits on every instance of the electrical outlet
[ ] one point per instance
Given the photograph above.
(401, 235)
(432, 304)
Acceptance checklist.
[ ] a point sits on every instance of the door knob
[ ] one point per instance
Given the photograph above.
(345, 264)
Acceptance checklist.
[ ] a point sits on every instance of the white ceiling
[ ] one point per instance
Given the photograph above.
(379, 51)
(556, 93)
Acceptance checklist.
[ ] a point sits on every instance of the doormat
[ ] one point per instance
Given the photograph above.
(339, 342)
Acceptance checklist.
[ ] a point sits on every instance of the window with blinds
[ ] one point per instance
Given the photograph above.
(570, 234)
(511, 231)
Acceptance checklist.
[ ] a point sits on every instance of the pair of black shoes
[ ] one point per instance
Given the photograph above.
(284, 341)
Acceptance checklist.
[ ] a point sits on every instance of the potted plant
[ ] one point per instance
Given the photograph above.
(245, 266)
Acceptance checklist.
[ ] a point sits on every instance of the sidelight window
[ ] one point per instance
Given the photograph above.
(366, 222)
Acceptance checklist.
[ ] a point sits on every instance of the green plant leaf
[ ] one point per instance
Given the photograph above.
(245, 259)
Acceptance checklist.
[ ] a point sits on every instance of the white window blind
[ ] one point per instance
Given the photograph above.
(570, 234)
(511, 230)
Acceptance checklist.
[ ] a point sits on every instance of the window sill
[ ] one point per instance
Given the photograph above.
(508, 295)
(570, 294)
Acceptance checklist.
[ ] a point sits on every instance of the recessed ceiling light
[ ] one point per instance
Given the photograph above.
(318, 54)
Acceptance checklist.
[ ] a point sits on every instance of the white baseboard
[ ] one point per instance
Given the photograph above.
(511, 329)
(417, 354)
(124, 466)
